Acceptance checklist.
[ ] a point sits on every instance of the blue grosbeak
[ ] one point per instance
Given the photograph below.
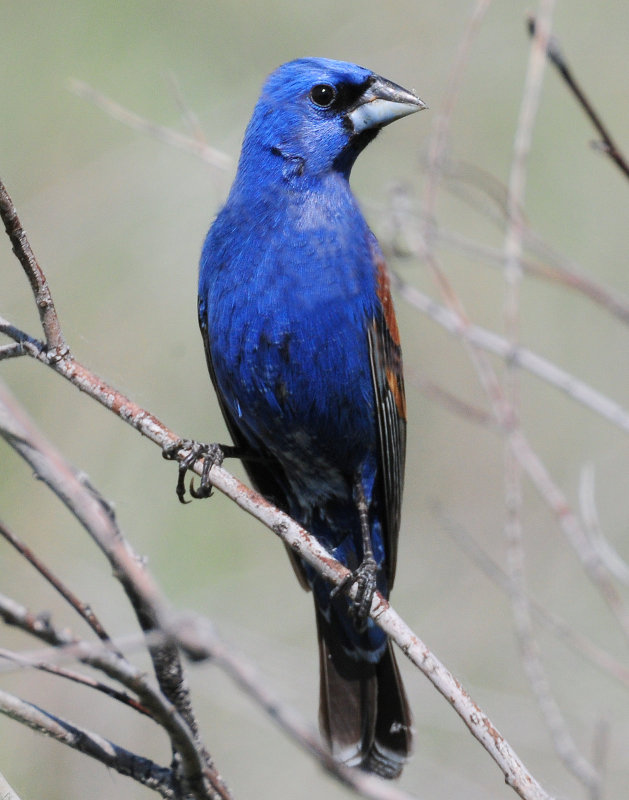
(304, 353)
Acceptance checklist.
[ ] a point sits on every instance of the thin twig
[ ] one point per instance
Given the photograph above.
(6, 791)
(21, 661)
(97, 519)
(24, 344)
(450, 401)
(589, 514)
(459, 178)
(608, 145)
(441, 127)
(200, 637)
(162, 133)
(571, 638)
(190, 118)
(524, 358)
(141, 769)
(529, 648)
(37, 279)
(39, 625)
(8, 351)
(81, 608)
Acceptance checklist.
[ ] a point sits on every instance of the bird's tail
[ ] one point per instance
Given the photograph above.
(363, 711)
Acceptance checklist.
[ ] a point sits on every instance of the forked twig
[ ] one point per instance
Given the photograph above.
(85, 611)
(607, 145)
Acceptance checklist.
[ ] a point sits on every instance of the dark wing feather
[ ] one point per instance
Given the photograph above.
(388, 383)
(263, 468)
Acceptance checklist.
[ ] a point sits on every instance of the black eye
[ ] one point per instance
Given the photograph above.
(323, 94)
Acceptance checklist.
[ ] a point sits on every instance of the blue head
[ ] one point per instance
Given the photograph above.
(315, 115)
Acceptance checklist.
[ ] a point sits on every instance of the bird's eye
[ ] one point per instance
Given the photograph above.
(323, 95)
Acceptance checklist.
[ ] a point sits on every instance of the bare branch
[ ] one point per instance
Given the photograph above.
(198, 636)
(477, 188)
(189, 117)
(439, 138)
(530, 652)
(556, 57)
(578, 643)
(8, 351)
(34, 273)
(145, 595)
(21, 661)
(98, 520)
(6, 792)
(608, 554)
(81, 608)
(537, 365)
(169, 136)
(453, 403)
(25, 344)
(38, 625)
(126, 763)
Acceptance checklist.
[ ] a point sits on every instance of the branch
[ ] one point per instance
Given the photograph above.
(82, 609)
(6, 792)
(34, 273)
(98, 520)
(161, 133)
(573, 639)
(486, 195)
(126, 763)
(441, 127)
(529, 648)
(555, 56)
(20, 660)
(138, 583)
(522, 357)
(317, 556)
(199, 635)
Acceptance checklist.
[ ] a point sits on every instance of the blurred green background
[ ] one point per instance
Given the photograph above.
(117, 221)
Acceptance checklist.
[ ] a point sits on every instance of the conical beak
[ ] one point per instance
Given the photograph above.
(383, 102)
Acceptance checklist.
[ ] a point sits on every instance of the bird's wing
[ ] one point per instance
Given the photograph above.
(388, 383)
(263, 468)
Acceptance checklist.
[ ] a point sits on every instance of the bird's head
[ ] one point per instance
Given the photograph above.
(315, 115)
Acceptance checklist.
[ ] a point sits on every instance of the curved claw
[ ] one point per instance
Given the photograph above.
(365, 579)
(212, 454)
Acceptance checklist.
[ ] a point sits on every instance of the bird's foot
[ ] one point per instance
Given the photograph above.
(365, 579)
(212, 455)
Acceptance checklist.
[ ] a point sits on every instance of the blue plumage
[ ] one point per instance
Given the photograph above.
(303, 351)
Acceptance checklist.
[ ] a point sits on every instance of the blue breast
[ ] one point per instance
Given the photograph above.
(288, 308)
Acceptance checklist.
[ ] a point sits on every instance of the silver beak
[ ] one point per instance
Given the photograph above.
(382, 103)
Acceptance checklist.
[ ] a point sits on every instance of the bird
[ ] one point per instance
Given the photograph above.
(303, 351)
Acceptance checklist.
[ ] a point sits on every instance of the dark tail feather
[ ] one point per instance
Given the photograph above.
(363, 711)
